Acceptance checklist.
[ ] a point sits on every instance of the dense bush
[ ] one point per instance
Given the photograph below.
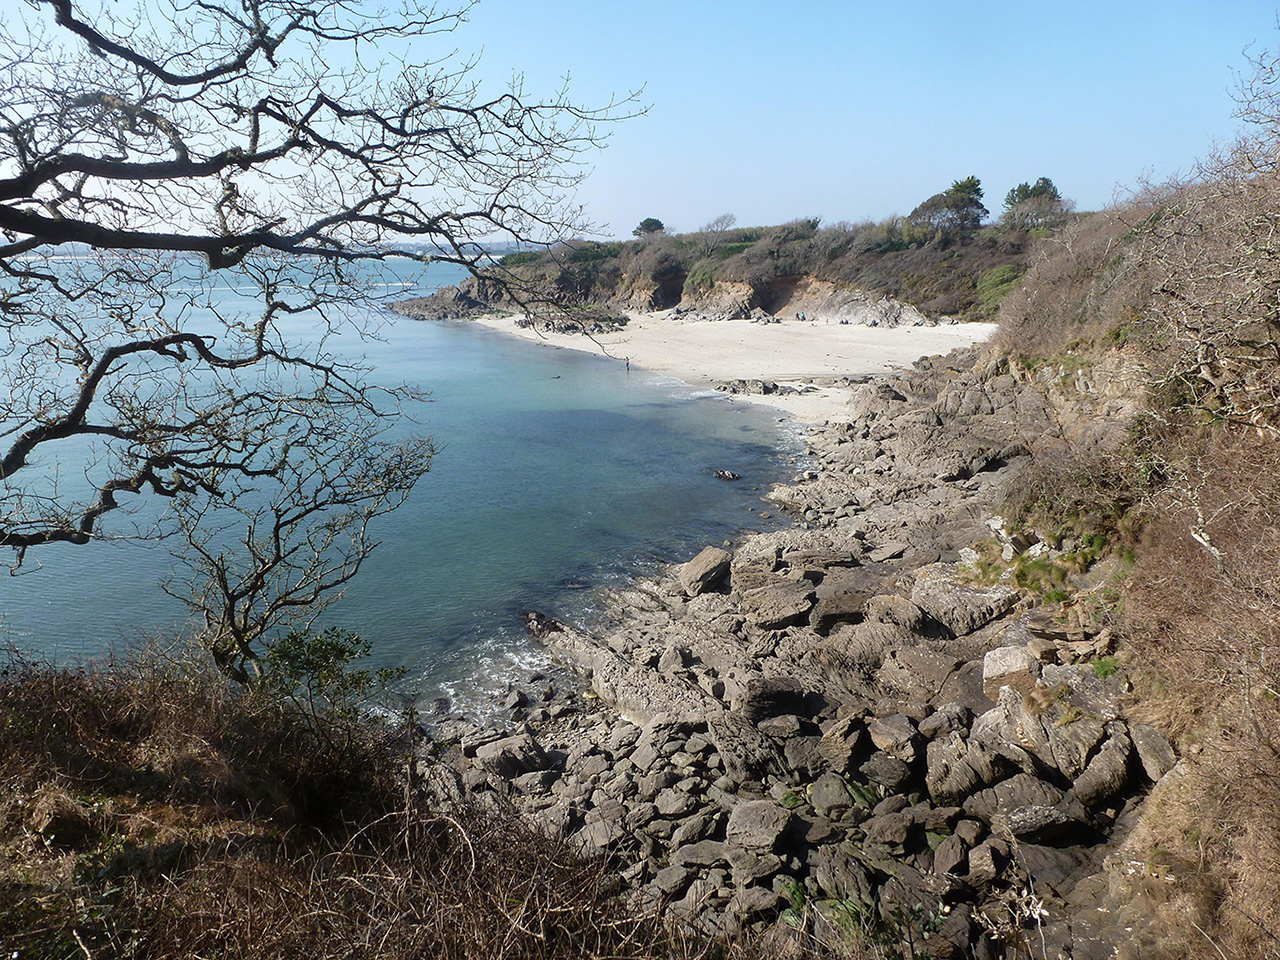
(1085, 285)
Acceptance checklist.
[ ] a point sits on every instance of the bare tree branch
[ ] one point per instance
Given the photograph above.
(153, 159)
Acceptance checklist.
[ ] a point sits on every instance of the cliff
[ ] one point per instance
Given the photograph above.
(859, 273)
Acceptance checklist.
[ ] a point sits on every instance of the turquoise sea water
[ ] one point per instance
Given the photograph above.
(559, 473)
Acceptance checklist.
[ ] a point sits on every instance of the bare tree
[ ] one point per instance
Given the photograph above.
(713, 233)
(152, 160)
(1215, 247)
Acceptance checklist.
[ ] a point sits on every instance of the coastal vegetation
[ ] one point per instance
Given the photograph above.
(151, 809)
(1179, 285)
(942, 258)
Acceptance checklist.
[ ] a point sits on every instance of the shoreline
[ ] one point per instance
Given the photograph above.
(836, 711)
(814, 358)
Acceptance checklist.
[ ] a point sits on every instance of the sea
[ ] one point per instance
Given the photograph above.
(560, 475)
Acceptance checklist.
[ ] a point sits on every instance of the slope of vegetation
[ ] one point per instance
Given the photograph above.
(940, 258)
(1183, 284)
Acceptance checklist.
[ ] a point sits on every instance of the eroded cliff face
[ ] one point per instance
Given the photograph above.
(787, 297)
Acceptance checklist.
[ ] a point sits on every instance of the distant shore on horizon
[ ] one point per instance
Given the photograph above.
(807, 355)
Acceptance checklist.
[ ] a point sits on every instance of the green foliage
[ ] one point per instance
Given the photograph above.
(1034, 208)
(732, 249)
(701, 277)
(1106, 667)
(995, 283)
(1042, 189)
(1040, 575)
(316, 672)
(955, 211)
(521, 257)
(648, 226)
(969, 188)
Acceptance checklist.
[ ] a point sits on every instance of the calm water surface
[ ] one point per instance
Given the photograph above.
(559, 473)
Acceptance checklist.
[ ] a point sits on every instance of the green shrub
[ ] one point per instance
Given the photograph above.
(995, 283)
(701, 277)
(315, 671)
(1106, 667)
(521, 257)
(732, 249)
(588, 252)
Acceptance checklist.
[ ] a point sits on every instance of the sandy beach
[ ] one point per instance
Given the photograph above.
(794, 353)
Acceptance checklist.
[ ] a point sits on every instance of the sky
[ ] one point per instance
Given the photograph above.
(851, 111)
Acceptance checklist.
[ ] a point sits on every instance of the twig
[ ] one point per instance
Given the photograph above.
(1209, 938)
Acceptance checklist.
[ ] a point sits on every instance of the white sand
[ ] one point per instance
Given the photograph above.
(703, 352)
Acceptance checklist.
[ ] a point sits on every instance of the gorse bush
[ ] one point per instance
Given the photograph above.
(995, 283)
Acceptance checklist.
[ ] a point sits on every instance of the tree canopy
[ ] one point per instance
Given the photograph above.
(956, 210)
(648, 226)
(1033, 206)
(150, 159)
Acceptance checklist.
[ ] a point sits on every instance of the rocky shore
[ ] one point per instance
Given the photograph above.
(862, 724)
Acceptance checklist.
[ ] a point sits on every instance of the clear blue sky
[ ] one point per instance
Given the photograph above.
(848, 111)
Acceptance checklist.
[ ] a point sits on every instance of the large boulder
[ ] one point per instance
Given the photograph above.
(1028, 808)
(917, 673)
(779, 605)
(763, 697)
(841, 876)
(844, 592)
(830, 795)
(705, 570)
(960, 607)
(1045, 723)
(511, 757)
(890, 608)
(636, 691)
(759, 825)
(957, 768)
(747, 754)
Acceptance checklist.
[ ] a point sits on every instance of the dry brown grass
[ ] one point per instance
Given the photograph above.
(1085, 287)
(149, 811)
(1203, 619)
